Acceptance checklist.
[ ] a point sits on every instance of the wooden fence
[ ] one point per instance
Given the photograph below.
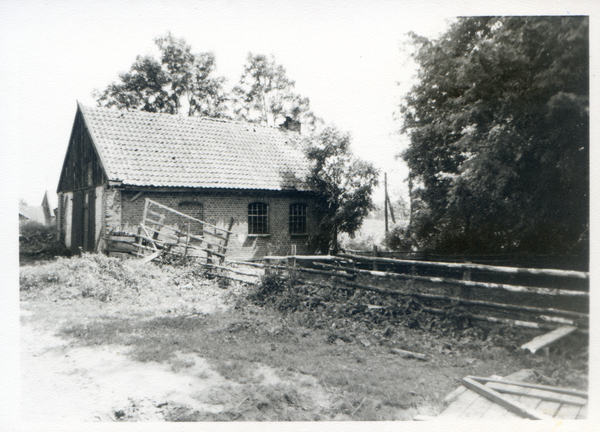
(522, 305)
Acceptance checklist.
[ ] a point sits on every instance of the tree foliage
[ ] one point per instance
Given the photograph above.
(499, 136)
(180, 80)
(265, 95)
(343, 183)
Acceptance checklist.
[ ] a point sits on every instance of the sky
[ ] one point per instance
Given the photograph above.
(346, 56)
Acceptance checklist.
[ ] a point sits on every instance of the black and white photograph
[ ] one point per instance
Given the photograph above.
(312, 214)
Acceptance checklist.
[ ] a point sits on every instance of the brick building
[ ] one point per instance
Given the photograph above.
(210, 169)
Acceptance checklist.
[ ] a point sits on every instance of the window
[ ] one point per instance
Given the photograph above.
(258, 218)
(298, 219)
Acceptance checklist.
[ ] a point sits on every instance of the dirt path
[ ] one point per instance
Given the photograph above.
(64, 383)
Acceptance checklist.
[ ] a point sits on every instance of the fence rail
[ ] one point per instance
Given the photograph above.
(568, 262)
(544, 307)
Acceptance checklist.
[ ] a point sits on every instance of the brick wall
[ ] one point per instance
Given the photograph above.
(217, 209)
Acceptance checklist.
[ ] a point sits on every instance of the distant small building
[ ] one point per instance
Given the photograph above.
(40, 214)
(209, 169)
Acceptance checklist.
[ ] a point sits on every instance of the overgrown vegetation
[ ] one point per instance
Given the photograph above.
(499, 137)
(38, 241)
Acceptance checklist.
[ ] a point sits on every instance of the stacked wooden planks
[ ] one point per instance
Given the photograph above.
(501, 398)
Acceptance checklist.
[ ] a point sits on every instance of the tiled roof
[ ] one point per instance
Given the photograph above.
(147, 149)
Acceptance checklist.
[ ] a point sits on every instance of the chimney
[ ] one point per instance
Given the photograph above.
(291, 125)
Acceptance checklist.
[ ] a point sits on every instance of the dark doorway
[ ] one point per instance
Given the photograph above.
(83, 231)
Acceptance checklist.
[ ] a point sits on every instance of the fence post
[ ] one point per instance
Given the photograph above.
(292, 260)
(467, 272)
(465, 292)
(375, 266)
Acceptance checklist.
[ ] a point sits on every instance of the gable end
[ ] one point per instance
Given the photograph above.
(82, 168)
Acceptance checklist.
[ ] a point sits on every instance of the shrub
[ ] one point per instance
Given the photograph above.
(40, 241)
(401, 239)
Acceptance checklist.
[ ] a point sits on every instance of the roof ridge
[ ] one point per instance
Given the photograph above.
(148, 113)
(157, 149)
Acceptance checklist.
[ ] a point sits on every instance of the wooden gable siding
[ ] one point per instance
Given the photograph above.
(82, 168)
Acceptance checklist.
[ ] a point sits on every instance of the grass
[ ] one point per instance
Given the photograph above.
(236, 344)
(344, 356)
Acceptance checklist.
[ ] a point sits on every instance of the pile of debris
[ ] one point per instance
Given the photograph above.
(159, 234)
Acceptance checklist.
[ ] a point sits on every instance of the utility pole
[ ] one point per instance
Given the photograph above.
(385, 201)
(388, 204)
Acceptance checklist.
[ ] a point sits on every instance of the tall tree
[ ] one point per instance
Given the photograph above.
(265, 95)
(181, 80)
(143, 88)
(499, 136)
(343, 183)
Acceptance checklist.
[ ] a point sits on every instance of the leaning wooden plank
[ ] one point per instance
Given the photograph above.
(162, 234)
(542, 394)
(500, 269)
(485, 409)
(226, 239)
(510, 414)
(548, 338)
(504, 401)
(496, 412)
(187, 216)
(190, 246)
(148, 236)
(145, 213)
(195, 237)
(562, 390)
(151, 257)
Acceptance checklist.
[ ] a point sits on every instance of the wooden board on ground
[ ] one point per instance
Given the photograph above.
(548, 338)
(493, 399)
